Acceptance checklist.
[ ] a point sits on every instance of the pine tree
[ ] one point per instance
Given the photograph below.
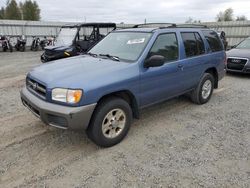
(12, 11)
(30, 10)
(2, 13)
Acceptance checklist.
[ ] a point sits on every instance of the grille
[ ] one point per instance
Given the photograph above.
(236, 63)
(36, 87)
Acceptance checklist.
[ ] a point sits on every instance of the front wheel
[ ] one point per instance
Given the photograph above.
(110, 122)
(204, 90)
(11, 48)
(22, 48)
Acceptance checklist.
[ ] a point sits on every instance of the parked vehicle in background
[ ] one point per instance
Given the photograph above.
(50, 41)
(44, 43)
(21, 43)
(75, 39)
(238, 57)
(128, 70)
(35, 43)
(5, 44)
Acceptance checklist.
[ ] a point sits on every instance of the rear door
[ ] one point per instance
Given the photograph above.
(194, 59)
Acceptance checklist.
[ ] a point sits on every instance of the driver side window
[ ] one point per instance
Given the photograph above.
(165, 45)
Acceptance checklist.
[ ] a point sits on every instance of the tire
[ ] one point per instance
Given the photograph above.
(204, 90)
(43, 59)
(11, 48)
(106, 115)
(22, 48)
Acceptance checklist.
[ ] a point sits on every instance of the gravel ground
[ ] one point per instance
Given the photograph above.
(174, 144)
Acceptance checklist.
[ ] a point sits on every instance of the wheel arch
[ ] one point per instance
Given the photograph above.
(214, 72)
(126, 95)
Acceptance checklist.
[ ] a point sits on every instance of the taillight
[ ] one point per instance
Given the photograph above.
(225, 59)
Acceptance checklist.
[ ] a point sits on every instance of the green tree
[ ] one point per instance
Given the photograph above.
(241, 18)
(12, 11)
(2, 13)
(227, 15)
(30, 10)
(192, 21)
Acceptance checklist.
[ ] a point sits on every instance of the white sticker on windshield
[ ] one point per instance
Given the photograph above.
(136, 41)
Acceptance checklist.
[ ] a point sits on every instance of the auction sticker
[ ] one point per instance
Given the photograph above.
(136, 41)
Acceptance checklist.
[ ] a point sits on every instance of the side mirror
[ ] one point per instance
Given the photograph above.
(234, 46)
(154, 61)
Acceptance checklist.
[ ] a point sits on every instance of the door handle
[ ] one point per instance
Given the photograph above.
(180, 66)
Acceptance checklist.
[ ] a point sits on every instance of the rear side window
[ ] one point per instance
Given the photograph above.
(193, 44)
(165, 45)
(213, 40)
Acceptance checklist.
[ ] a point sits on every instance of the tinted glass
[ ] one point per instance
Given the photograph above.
(200, 44)
(165, 45)
(193, 44)
(213, 40)
(125, 45)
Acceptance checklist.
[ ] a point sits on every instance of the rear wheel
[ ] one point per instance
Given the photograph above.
(22, 48)
(204, 90)
(110, 122)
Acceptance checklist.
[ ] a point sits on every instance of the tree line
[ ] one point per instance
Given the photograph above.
(226, 15)
(27, 10)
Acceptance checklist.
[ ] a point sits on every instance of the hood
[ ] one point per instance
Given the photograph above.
(81, 71)
(244, 53)
(57, 48)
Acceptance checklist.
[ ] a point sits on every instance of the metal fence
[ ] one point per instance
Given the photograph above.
(235, 31)
(15, 28)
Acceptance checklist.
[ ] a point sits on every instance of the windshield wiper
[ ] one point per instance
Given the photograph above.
(91, 54)
(115, 58)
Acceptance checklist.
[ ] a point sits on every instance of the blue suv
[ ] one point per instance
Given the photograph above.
(130, 69)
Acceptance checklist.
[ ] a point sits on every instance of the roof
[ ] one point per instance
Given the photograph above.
(151, 27)
(154, 29)
(92, 24)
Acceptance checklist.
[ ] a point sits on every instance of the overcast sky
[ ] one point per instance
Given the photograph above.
(132, 11)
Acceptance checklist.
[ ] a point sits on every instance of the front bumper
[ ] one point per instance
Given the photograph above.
(245, 71)
(46, 58)
(75, 118)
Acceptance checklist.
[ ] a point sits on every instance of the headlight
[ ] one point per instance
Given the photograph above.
(66, 95)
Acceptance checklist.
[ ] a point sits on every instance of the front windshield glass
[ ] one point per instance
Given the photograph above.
(244, 44)
(126, 45)
(66, 36)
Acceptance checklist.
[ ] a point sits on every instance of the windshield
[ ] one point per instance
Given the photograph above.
(66, 36)
(126, 45)
(244, 44)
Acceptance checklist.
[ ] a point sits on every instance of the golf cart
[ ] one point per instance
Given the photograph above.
(73, 40)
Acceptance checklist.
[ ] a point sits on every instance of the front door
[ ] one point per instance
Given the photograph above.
(160, 83)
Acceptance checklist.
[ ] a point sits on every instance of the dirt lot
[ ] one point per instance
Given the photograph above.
(174, 144)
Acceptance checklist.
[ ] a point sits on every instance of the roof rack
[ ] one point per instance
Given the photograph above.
(148, 24)
(191, 26)
(90, 24)
(170, 25)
